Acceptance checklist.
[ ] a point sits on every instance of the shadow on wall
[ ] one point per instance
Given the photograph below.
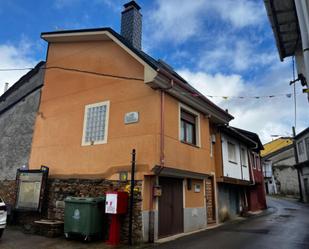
(224, 214)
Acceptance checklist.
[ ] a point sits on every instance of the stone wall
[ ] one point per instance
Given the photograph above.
(286, 180)
(59, 189)
(8, 191)
(18, 109)
(16, 131)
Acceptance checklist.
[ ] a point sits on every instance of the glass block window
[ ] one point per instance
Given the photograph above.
(96, 123)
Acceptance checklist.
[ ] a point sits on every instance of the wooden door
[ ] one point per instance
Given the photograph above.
(210, 201)
(170, 207)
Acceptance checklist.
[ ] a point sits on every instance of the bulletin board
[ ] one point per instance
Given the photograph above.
(31, 189)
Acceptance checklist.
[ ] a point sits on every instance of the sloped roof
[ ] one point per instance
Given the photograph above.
(22, 88)
(239, 135)
(157, 65)
(253, 136)
(275, 145)
(302, 133)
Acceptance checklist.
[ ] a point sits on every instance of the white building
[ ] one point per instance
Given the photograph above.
(302, 144)
(269, 179)
(290, 23)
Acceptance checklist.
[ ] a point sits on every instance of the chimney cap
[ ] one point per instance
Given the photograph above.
(132, 3)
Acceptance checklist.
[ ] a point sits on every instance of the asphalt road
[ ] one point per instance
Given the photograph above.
(286, 227)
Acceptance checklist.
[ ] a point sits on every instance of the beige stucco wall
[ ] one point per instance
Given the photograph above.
(59, 125)
(57, 141)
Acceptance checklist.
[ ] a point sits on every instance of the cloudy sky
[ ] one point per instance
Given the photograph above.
(224, 48)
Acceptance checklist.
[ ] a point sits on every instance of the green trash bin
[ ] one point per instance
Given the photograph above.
(85, 217)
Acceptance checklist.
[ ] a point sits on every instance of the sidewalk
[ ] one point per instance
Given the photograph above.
(14, 238)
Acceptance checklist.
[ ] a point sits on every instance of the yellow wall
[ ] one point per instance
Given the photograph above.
(275, 145)
(59, 125)
(181, 155)
(192, 198)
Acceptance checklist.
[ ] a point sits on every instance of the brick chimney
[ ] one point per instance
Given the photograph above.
(131, 24)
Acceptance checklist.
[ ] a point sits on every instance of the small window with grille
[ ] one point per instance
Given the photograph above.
(96, 123)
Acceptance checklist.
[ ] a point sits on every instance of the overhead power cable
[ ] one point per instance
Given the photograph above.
(225, 97)
(76, 71)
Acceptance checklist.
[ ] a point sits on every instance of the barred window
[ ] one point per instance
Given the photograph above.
(95, 123)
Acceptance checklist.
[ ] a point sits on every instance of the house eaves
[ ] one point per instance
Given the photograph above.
(277, 152)
(283, 19)
(302, 133)
(156, 75)
(232, 132)
(253, 136)
(22, 88)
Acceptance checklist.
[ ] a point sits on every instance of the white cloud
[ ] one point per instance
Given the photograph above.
(179, 20)
(14, 57)
(240, 13)
(266, 116)
(215, 84)
(235, 54)
(176, 20)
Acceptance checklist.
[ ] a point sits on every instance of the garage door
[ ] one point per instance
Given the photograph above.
(170, 207)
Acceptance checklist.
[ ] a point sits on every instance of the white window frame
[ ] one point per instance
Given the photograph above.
(307, 147)
(104, 141)
(198, 124)
(254, 166)
(228, 153)
(244, 160)
(300, 147)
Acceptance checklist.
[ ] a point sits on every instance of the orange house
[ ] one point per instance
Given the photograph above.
(102, 97)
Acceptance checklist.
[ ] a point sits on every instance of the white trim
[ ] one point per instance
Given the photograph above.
(198, 123)
(244, 161)
(107, 104)
(149, 72)
(232, 160)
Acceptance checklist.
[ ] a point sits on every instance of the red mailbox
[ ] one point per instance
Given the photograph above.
(116, 205)
(116, 202)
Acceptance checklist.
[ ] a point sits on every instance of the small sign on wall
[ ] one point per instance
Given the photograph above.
(131, 117)
(197, 188)
(111, 204)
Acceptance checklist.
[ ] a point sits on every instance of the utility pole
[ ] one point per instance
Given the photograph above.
(296, 162)
(132, 197)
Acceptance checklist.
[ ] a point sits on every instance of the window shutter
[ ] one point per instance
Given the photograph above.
(188, 117)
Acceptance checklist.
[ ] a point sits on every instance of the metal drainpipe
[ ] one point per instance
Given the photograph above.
(301, 9)
(252, 162)
(162, 129)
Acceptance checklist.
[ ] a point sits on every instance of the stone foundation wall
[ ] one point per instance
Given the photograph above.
(8, 191)
(59, 189)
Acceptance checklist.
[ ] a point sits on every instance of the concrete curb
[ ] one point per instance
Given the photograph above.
(268, 211)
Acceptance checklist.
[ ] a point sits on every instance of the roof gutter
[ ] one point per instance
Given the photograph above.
(195, 99)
